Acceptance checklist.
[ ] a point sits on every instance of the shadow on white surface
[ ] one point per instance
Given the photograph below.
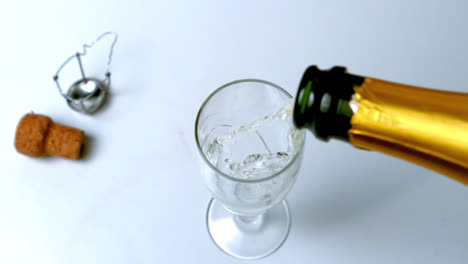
(87, 150)
(348, 197)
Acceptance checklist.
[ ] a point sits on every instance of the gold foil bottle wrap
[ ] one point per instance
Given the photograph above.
(424, 126)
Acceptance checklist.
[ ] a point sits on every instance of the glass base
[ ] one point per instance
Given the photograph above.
(248, 238)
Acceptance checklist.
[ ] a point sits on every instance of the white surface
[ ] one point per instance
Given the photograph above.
(139, 197)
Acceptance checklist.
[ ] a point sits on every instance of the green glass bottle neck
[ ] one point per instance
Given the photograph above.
(322, 102)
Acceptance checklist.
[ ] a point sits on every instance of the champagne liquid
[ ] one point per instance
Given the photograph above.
(260, 164)
(250, 153)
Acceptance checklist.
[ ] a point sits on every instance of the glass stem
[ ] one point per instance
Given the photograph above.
(249, 223)
(249, 219)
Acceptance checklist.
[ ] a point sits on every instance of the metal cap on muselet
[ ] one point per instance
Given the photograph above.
(87, 95)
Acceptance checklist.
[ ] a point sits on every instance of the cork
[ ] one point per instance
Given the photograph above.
(38, 135)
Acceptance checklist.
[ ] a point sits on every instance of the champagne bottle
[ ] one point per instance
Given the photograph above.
(424, 126)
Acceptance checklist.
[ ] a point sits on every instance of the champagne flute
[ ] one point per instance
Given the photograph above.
(251, 154)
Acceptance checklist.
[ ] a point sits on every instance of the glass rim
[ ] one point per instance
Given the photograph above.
(295, 157)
